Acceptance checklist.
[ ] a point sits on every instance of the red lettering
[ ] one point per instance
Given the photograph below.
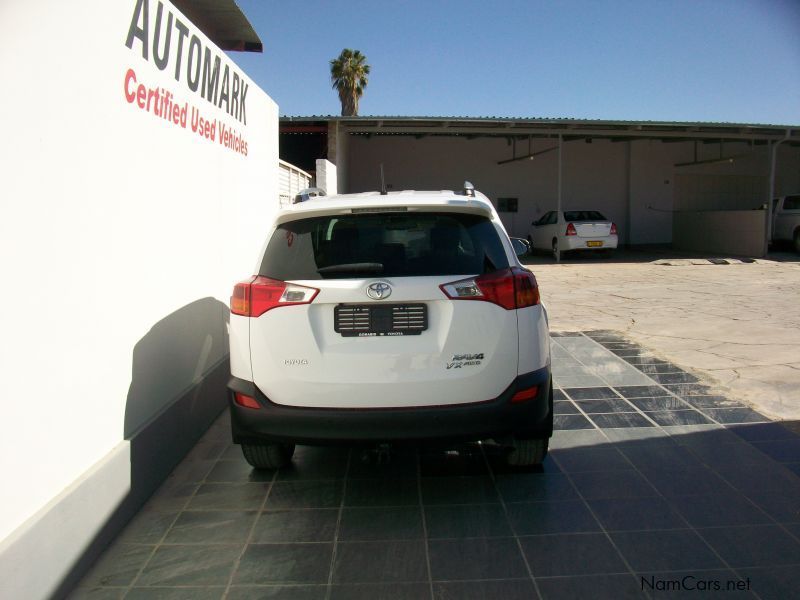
(130, 76)
(141, 95)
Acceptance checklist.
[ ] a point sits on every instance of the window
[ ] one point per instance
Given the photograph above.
(507, 204)
(583, 215)
(384, 244)
(791, 203)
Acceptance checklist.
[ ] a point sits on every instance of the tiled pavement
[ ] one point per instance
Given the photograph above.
(654, 487)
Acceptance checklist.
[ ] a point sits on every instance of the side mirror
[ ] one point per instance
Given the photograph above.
(521, 247)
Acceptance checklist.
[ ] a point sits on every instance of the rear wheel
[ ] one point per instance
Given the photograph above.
(555, 250)
(797, 241)
(268, 456)
(528, 453)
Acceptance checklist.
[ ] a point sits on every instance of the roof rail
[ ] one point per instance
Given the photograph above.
(307, 194)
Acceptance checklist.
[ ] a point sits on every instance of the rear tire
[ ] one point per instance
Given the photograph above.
(528, 453)
(555, 250)
(268, 456)
(797, 241)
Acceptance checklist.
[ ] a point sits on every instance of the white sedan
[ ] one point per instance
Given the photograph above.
(573, 230)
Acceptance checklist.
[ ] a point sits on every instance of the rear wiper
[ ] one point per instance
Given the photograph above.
(352, 268)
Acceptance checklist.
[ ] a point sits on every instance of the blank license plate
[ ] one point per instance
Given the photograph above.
(594, 244)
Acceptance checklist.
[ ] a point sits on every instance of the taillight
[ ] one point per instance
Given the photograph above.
(256, 296)
(613, 229)
(247, 401)
(571, 229)
(525, 395)
(510, 288)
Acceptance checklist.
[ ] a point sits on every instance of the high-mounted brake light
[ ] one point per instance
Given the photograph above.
(571, 229)
(510, 288)
(254, 297)
(613, 229)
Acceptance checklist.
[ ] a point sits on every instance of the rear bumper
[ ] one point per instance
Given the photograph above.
(574, 242)
(494, 418)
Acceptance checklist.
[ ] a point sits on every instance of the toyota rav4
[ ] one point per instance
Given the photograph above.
(379, 318)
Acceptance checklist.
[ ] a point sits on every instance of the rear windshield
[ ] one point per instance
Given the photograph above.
(387, 244)
(583, 215)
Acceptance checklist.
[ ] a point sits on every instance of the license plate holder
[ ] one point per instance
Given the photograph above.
(594, 244)
(380, 320)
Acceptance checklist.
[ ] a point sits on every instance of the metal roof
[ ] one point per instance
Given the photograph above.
(223, 22)
(544, 127)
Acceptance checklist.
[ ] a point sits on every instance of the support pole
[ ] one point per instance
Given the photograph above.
(772, 168)
(558, 201)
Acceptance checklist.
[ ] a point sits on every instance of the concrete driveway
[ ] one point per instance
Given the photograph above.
(734, 323)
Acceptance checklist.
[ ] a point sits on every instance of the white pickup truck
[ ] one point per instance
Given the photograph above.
(786, 220)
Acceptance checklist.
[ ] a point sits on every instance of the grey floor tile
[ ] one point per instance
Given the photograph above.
(675, 550)
(636, 514)
(711, 402)
(591, 393)
(597, 587)
(237, 471)
(507, 589)
(278, 592)
(476, 558)
(381, 523)
(97, 593)
(660, 456)
(533, 518)
(176, 593)
(303, 525)
(565, 407)
(558, 394)
(689, 389)
(659, 403)
(610, 405)
(641, 391)
(764, 432)
(531, 487)
(678, 417)
(381, 492)
(147, 527)
(630, 436)
(316, 463)
(171, 496)
(612, 484)
(754, 545)
(192, 471)
(284, 563)
(468, 462)
(659, 367)
(370, 465)
(781, 505)
(678, 481)
(193, 565)
(466, 520)
(206, 450)
(118, 565)
(571, 554)
(787, 450)
(380, 591)
(578, 381)
(380, 562)
(458, 490)
(229, 496)
(211, 527)
(731, 455)
(576, 460)
(673, 378)
(570, 422)
(720, 509)
(578, 438)
(620, 420)
(735, 415)
(774, 582)
(305, 494)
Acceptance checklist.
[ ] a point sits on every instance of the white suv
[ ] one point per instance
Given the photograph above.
(386, 317)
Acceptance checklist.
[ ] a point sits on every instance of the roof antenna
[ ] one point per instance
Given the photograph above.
(383, 183)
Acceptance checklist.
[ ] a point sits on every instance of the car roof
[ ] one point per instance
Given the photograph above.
(409, 200)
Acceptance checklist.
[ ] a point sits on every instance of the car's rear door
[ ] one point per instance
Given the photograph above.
(380, 331)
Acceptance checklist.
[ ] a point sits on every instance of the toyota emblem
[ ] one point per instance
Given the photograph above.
(379, 290)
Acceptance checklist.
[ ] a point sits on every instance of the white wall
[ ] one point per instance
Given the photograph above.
(116, 225)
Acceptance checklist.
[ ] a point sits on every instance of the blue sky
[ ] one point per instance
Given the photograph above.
(703, 60)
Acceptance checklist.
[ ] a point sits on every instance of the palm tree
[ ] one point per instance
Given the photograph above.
(349, 77)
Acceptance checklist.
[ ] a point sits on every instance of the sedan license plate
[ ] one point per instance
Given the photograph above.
(593, 244)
